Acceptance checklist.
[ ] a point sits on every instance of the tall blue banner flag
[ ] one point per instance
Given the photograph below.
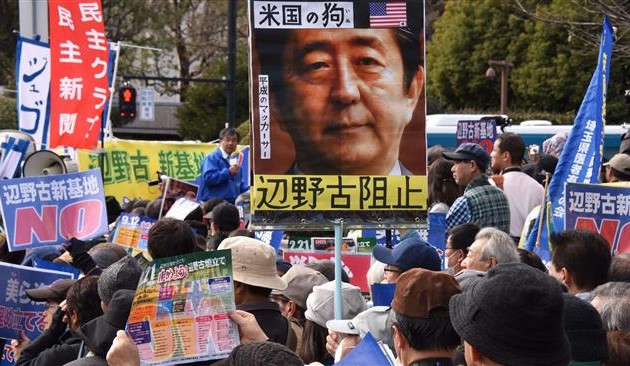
(582, 154)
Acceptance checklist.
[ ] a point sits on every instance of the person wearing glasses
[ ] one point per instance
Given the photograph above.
(409, 253)
(457, 242)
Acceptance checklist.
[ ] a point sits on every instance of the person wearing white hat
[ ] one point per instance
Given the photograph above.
(255, 276)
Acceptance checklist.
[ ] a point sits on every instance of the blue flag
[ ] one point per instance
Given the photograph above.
(581, 157)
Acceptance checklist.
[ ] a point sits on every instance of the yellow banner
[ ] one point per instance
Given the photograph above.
(129, 164)
(339, 192)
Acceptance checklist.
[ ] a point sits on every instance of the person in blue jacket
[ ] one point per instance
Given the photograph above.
(221, 174)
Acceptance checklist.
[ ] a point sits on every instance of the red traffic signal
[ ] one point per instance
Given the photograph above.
(127, 103)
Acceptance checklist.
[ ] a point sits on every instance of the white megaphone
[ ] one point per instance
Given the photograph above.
(46, 162)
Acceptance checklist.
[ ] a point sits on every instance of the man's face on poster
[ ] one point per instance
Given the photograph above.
(346, 101)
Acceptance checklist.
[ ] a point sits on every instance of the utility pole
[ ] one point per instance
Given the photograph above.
(231, 87)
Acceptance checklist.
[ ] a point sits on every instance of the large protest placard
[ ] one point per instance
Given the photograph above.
(604, 209)
(338, 124)
(180, 311)
(128, 165)
(355, 265)
(482, 132)
(48, 210)
(18, 312)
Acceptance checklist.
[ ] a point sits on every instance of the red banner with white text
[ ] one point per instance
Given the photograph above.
(79, 53)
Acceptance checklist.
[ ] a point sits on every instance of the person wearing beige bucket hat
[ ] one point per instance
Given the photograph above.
(255, 276)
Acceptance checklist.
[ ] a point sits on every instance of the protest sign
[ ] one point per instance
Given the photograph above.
(180, 310)
(181, 208)
(482, 132)
(132, 231)
(48, 210)
(175, 189)
(316, 159)
(17, 311)
(368, 352)
(273, 238)
(355, 265)
(603, 209)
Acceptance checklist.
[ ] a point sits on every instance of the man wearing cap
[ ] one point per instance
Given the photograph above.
(254, 273)
(300, 281)
(512, 316)
(423, 333)
(522, 191)
(618, 169)
(482, 203)
(409, 253)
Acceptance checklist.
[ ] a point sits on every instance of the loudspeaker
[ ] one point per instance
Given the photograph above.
(46, 162)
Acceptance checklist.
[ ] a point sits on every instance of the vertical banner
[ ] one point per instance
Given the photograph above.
(49, 210)
(33, 86)
(603, 209)
(79, 90)
(180, 311)
(338, 124)
(580, 159)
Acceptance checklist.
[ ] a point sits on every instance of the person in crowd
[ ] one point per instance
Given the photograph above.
(221, 173)
(99, 333)
(152, 209)
(113, 209)
(255, 276)
(423, 333)
(375, 274)
(262, 354)
(320, 308)
(345, 103)
(59, 344)
(433, 154)
(612, 301)
(458, 240)
(282, 266)
(522, 191)
(618, 348)
(618, 169)
(224, 219)
(491, 247)
(327, 268)
(53, 295)
(170, 237)
(409, 253)
(619, 270)
(555, 144)
(580, 261)
(531, 259)
(512, 316)
(587, 335)
(292, 300)
(441, 187)
(482, 203)
(122, 275)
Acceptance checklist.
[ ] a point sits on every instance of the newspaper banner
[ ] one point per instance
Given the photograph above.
(79, 58)
(17, 311)
(333, 137)
(482, 132)
(48, 210)
(175, 189)
(132, 231)
(33, 86)
(180, 311)
(355, 265)
(604, 209)
(128, 165)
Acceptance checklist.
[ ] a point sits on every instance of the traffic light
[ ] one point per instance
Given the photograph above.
(127, 103)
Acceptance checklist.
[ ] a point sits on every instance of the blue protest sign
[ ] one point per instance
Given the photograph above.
(367, 352)
(383, 293)
(48, 210)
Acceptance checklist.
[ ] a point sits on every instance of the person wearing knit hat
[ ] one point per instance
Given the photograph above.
(320, 308)
(255, 276)
(123, 274)
(585, 330)
(423, 333)
(512, 316)
(262, 354)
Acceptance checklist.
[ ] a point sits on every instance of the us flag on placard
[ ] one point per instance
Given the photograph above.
(387, 15)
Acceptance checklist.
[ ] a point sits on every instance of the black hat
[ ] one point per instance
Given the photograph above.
(123, 274)
(585, 330)
(470, 151)
(55, 291)
(225, 216)
(513, 315)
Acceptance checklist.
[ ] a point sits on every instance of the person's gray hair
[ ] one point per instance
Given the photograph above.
(499, 246)
(612, 300)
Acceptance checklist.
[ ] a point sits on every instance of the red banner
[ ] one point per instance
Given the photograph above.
(355, 265)
(79, 52)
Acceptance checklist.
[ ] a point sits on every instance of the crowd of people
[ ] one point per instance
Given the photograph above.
(495, 303)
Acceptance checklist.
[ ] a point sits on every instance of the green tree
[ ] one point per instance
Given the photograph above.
(202, 115)
(8, 113)
(9, 15)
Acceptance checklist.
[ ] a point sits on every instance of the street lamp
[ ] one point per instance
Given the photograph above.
(505, 67)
